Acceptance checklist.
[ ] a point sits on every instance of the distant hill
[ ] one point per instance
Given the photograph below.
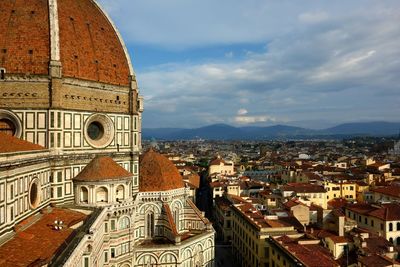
(227, 132)
(378, 128)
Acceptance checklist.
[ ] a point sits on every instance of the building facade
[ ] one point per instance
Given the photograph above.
(70, 136)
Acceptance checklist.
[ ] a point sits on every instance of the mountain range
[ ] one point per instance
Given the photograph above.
(227, 132)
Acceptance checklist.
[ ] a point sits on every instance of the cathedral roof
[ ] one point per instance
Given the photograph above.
(9, 143)
(75, 32)
(102, 168)
(157, 173)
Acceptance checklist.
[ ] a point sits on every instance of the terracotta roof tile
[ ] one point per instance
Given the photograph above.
(89, 45)
(10, 143)
(157, 173)
(310, 255)
(393, 191)
(39, 242)
(103, 168)
(377, 261)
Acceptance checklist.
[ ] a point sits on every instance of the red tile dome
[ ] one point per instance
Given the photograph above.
(87, 44)
(157, 173)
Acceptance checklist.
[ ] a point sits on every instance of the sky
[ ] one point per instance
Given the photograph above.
(312, 64)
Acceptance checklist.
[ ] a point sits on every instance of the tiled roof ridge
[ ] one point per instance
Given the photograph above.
(170, 219)
(197, 211)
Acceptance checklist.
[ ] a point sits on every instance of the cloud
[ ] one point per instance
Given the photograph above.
(313, 17)
(318, 61)
(253, 119)
(242, 111)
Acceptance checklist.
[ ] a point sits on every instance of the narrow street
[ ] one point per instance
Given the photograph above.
(223, 255)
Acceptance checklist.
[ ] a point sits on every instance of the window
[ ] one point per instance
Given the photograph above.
(7, 126)
(112, 224)
(366, 220)
(112, 252)
(59, 191)
(95, 130)
(390, 227)
(150, 225)
(105, 256)
(398, 226)
(124, 223)
(86, 262)
(372, 222)
(2, 74)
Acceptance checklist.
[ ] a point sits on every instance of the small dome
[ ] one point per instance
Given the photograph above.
(103, 168)
(157, 173)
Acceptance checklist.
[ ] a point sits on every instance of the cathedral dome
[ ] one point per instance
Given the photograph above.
(73, 34)
(157, 173)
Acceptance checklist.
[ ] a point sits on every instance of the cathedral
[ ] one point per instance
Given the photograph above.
(76, 189)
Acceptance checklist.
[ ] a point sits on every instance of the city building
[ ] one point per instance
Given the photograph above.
(250, 230)
(382, 219)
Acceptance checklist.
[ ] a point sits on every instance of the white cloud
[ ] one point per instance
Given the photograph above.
(339, 63)
(313, 17)
(242, 111)
(253, 119)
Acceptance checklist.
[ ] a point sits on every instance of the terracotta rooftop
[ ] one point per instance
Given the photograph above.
(40, 241)
(312, 255)
(256, 218)
(10, 143)
(217, 162)
(377, 261)
(303, 188)
(102, 168)
(337, 203)
(157, 173)
(391, 190)
(385, 212)
(193, 179)
(89, 45)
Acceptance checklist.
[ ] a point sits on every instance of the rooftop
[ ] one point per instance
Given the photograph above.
(39, 239)
(157, 173)
(10, 143)
(312, 255)
(103, 168)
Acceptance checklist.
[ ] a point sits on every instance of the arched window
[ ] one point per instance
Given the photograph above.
(102, 194)
(176, 219)
(124, 223)
(398, 241)
(84, 195)
(391, 240)
(390, 227)
(150, 225)
(120, 193)
(398, 226)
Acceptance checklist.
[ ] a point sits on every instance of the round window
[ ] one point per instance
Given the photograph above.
(7, 126)
(34, 195)
(95, 130)
(10, 123)
(99, 130)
